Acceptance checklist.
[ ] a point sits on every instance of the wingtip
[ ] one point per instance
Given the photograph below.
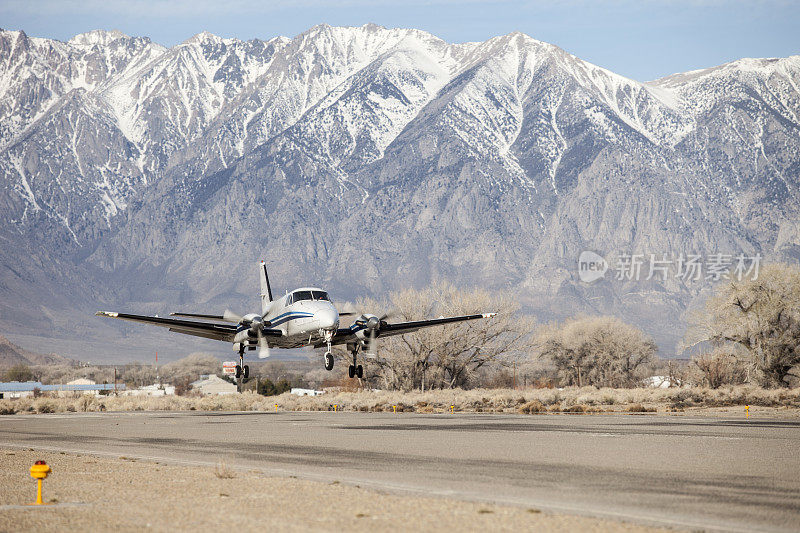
(488, 315)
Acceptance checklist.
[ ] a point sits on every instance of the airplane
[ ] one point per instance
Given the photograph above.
(303, 317)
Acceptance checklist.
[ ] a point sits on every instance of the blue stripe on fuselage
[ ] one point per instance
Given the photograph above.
(286, 317)
(281, 319)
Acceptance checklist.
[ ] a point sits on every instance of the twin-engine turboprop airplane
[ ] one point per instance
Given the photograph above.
(303, 317)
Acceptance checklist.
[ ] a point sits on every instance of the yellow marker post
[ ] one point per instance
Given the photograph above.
(452, 407)
(395, 408)
(276, 407)
(335, 407)
(747, 411)
(39, 471)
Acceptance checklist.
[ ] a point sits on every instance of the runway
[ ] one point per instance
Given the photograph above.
(696, 473)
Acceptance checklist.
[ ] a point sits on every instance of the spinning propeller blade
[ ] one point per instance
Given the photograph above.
(263, 346)
(230, 316)
(372, 344)
(347, 309)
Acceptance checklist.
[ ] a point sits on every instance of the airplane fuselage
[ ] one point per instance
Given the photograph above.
(304, 317)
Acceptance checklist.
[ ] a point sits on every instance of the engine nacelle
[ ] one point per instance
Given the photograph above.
(371, 323)
(242, 337)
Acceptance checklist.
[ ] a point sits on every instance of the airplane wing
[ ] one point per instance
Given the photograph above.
(344, 335)
(388, 330)
(198, 315)
(220, 332)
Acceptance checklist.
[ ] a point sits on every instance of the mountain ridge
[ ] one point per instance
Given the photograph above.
(371, 159)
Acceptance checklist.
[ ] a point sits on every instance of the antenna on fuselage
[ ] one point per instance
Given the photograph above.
(266, 290)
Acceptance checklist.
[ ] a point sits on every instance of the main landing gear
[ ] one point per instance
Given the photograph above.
(242, 370)
(355, 370)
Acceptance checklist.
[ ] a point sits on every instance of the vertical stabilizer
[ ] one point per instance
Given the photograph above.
(266, 290)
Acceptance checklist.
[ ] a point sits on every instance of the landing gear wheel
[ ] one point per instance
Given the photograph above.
(351, 371)
(360, 371)
(328, 361)
(238, 371)
(246, 372)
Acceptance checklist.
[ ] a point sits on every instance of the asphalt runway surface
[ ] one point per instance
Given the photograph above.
(731, 474)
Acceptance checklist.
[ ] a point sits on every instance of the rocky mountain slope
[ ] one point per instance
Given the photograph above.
(369, 159)
(11, 354)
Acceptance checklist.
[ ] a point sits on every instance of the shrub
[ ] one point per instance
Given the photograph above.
(639, 408)
(534, 406)
(45, 406)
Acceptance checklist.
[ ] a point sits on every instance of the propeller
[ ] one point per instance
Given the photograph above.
(373, 324)
(256, 326)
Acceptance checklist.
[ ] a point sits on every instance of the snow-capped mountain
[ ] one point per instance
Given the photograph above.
(369, 159)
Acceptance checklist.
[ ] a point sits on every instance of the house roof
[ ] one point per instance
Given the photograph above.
(28, 386)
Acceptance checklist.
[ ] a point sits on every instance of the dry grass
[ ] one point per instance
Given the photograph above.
(223, 471)
(573, 399)
(639, 408)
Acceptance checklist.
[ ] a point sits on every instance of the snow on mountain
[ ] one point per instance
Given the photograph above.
(371, 158)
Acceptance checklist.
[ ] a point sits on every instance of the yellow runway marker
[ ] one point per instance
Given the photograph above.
(39, 471)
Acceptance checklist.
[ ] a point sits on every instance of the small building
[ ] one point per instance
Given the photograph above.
(661, 382)
(152, 390)
(83, 382)
(211, 384)
(17, 389)
(306, 392)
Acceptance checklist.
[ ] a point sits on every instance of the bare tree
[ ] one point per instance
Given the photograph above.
(761, 315)
(720, 367)
(190, 368)
(601, 350)
(448, 356)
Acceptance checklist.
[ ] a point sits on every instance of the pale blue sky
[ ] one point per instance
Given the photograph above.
(640, 39)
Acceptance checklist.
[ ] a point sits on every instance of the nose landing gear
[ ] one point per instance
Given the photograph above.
(328, 355)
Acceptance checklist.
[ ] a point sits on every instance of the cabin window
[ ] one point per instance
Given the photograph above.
(320, 295)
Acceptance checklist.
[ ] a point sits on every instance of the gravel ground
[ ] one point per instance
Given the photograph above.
(92, 493)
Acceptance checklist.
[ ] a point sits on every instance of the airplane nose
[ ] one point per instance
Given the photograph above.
(327, 318)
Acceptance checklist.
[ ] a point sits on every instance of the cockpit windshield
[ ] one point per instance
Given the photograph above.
(320, 295)
(299, 296)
